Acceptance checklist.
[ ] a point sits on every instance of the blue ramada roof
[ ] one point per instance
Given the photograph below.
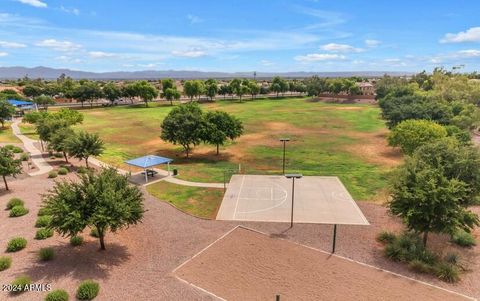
(148, 161)
(19, 103)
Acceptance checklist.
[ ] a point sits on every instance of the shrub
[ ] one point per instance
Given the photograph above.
(463, 239)
(46, 254)
(447, 272)
(420, 266)
(21, 283)
(16, 244)
(25, 156)
(43, 221)
(14, 149)
(18, 211)
(43, 211)
(82, 169)
(58, 155)
(88, 290)
(386, 237)
(452, 258)
(5, 262)
(43, 233)
(52, 174)
(14, 202)
(76, 240)
(62, 171)
(57, 295)
(94, 232)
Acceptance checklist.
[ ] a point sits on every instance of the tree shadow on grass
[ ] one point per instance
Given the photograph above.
(79, 263)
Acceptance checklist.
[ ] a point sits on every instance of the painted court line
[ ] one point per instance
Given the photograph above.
(238, 197)
(285, 194)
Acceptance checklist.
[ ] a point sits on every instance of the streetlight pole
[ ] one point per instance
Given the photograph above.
(284, 140)
(293, 177)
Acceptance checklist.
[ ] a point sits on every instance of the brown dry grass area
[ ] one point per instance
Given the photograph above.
(247, 265)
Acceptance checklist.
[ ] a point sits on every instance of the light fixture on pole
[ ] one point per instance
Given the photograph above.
(284, 140)
(293, 177)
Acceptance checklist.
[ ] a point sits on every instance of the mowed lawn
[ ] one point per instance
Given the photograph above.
(345, 140)
(197, 201)
(7, 136)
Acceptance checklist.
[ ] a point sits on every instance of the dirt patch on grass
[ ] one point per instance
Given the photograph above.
(345, 108)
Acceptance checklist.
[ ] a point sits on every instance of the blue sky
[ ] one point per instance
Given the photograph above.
(274, 35)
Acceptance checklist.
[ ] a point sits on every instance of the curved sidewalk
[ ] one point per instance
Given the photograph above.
(35, 153)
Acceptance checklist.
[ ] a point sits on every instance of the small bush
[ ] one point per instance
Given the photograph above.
(46, 254)
(463, 239)
(94, 232)
(43, 233)
(420, 266)
(25, 156)
(57, 295)
(14, 202)
(386, 237)
(52, 174)
(43, 221)
(82, 169)
(43, 211)
(14, 149)
(62, 171)
(21, 284)
(452, 258)
(447, 272)
(18, 211)
(5, 262)
(76, 240)
(16, 244)
(88, 290)
(58, 155)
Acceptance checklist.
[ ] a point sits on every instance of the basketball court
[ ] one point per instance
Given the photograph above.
(261, 198)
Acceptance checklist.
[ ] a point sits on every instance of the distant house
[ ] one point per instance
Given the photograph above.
(366, 88)
(21, 106)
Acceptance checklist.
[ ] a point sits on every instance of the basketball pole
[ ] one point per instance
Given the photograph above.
(334, 237)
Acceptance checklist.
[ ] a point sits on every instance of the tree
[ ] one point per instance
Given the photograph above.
(112, 92)
(9, 166)
(87, 91)
(103, 201)
(46, 127)
(129, 91)
(83, 145)
(279, 85)
(428, 201)
(410, 134)
(32, 91)
(146, 91)
(224, 90)
(184, 125)
(44, 101)
(220, 127)
(6, 112)
(211, 88)
(171, 94)
(253, 88)
(193, 88)
(168, 83)
(59, 141)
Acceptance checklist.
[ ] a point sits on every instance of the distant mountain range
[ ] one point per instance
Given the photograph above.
(52, 73)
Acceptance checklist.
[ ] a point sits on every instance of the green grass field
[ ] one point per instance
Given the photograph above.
(199, 202)
(327, 139)
(7, 136)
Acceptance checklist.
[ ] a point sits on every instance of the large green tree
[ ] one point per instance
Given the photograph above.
(59, 141)
(44, 101)
(103, 201)
(87, 91)
(112, 92)
(83, 145)
(6, 112)
(410, 134)
(171, 94)
(146, 91)
(221, 126)
(211, 88)
(184, 125)
(9, 166)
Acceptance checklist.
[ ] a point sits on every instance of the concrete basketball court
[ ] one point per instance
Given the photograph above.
(322, 200)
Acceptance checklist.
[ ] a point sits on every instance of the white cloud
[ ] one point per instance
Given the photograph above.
(36, 3)
(194, 19)
(68, 59)
(372, 43)
(266, 63)
(314, 57)
(188, 53)
(100, 54)
(3, 54)
(4, 44)
(469, 53)
(344, 48)
(58, 45)
(74, 11)
(470, 35)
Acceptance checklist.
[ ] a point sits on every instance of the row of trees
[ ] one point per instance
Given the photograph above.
(440, 179)
(318, 85)
(188, 126)
(55, 130)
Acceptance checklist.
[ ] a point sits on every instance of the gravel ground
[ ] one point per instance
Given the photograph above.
(139, 261)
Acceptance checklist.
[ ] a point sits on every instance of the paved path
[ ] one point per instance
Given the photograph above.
(35, 153)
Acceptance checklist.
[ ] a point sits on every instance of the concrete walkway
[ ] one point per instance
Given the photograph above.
(35, 153)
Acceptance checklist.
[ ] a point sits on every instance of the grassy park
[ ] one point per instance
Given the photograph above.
(326, 139)
(6, 135)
